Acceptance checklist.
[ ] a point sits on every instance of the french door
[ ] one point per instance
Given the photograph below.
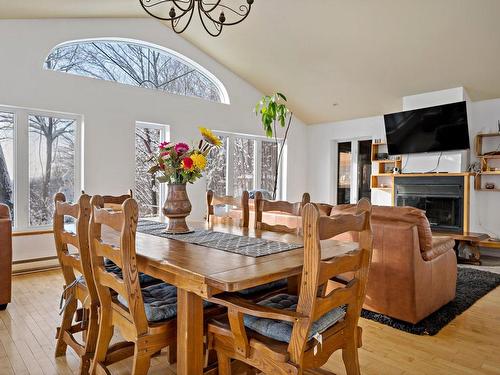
(354, 169)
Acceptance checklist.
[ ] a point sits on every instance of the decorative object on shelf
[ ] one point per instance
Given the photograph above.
(396, 170)
(489, 185)
(176, 165)
(273, 112)
(382, 156)
(214, 15)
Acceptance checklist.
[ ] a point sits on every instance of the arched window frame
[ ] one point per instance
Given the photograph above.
(223, 94)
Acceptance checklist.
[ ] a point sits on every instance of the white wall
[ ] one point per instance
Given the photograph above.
(110, 110)
(483, 117)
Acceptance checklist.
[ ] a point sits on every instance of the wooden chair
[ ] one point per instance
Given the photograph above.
(115, 202)
(277, 337)
(278, 207)
(78, 277)
(76, 271)
(121, 300)
(237, 203)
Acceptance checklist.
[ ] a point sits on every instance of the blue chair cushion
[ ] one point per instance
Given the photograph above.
(282, 331)
(264, 288)
(160, 302)
(144, 279)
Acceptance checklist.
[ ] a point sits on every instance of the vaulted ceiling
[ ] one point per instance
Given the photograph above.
(337, 59)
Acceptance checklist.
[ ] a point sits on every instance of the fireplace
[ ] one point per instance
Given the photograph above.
(441, 197)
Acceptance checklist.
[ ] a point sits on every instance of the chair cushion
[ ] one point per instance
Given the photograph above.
(281, 330)
(160, 302)
(278, 284)
(144, 279)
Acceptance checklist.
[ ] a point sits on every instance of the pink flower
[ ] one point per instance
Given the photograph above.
(181, 148)
(164, 145)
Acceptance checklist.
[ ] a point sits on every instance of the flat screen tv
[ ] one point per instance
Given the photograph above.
(433, 129)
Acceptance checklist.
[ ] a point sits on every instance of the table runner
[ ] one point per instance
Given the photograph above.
(243, 245)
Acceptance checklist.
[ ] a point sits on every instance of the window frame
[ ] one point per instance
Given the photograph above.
(21, 171)
(165, 136)
(257, 172)
(223, 93)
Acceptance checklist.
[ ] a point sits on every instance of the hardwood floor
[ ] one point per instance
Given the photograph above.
(469, 345)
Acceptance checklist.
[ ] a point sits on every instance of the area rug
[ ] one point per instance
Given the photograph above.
(472, 284)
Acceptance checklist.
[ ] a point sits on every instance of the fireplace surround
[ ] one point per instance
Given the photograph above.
(441, 197)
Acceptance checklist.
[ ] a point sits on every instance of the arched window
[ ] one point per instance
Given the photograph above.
(136, 63)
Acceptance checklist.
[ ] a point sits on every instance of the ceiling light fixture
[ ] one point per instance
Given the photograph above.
(214, 15)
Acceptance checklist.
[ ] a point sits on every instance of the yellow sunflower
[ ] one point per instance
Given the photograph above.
(199, 161)
(210, 137)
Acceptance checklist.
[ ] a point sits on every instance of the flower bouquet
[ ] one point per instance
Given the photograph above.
(176, 165)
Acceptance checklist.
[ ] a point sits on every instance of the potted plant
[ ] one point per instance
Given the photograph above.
(177, 165)
(273, 113)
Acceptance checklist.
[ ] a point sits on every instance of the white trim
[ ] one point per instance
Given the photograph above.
(223, 94)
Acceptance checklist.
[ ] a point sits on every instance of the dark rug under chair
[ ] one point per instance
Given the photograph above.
(472, 284)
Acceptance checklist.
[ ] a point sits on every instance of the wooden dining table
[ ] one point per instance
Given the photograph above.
(201, 272)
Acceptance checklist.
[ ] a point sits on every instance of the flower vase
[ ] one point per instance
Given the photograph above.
(176, 208)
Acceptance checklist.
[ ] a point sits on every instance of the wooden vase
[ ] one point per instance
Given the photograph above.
(176, 208)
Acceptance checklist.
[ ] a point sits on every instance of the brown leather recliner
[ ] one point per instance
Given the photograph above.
(5, 256)
(412, 273)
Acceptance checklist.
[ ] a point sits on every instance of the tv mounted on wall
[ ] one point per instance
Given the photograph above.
(433, 129)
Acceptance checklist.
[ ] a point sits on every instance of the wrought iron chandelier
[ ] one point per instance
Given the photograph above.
(214, 15)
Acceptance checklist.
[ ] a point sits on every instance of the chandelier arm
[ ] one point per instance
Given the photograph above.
(215, 5)
(218, 26)
(145, 7)
(243, 8)
(190, 2)
(175, 22)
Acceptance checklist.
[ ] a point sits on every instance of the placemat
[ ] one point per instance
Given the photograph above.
(243, 245)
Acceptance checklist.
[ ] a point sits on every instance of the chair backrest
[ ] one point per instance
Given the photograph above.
(232, 202)
(71, 262)
(314, 301)
(279, 207)
(122, 252)
(115, 201)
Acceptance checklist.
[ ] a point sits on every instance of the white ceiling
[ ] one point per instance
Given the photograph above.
(363, 55)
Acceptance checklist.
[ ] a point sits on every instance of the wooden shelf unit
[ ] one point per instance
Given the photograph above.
(383, 179)
(485, 159)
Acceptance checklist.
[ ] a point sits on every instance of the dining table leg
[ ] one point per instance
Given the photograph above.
(190, 355)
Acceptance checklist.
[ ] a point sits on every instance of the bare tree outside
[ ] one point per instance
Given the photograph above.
(51, 164)
(216, 171)
(243, 156)
(268, 167)
(147, 188)
(133, 64)
(7, 159)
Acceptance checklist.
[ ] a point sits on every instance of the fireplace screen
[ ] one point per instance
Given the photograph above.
(440, 198)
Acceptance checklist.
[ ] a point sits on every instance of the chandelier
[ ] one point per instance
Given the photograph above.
(214, 15)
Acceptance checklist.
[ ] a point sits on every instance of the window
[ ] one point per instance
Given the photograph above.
(148, 192)
(217, 168)
(139, 64)
(51, 165)
(39, 156)
(242, 163)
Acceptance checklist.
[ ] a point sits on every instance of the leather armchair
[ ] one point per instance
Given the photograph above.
(412, 273)
(5, 256)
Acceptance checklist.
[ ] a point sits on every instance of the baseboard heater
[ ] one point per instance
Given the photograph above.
(34, 265)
